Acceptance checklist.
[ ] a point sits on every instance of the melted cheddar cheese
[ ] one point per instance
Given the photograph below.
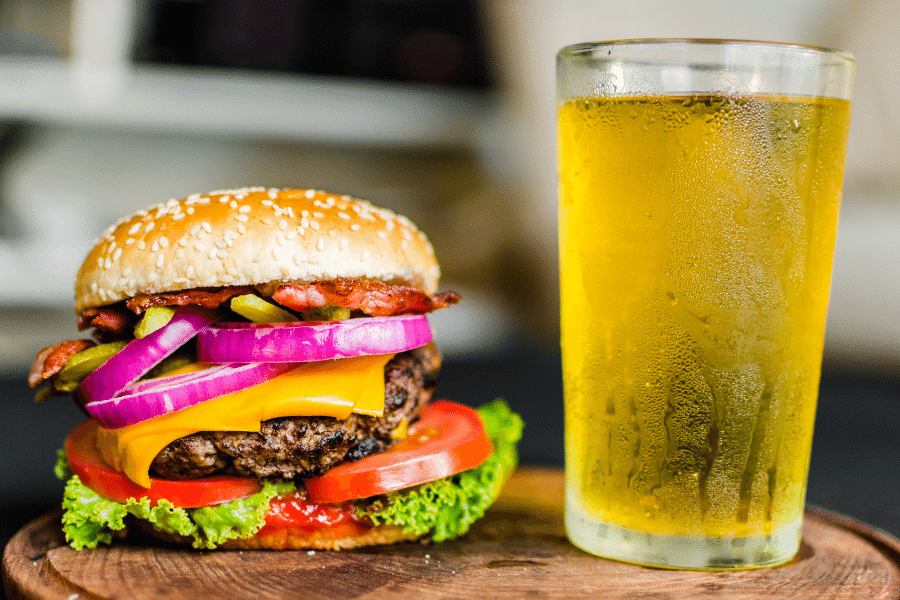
(332, 388)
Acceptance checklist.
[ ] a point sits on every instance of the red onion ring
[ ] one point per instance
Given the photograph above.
(141, 355)
(308, 342)
(164, 395)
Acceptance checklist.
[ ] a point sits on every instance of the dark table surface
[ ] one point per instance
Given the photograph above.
(855, 468)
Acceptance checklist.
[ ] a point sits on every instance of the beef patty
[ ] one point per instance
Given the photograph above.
(307, 446)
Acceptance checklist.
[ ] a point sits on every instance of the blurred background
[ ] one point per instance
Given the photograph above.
(443, 110)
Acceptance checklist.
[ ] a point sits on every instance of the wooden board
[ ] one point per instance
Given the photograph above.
(518, 550)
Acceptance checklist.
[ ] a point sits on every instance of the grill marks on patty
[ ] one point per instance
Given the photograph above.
(307, 446)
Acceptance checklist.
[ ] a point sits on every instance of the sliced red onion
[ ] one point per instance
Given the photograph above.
(141, 355)
(164, 395)
(307, 342)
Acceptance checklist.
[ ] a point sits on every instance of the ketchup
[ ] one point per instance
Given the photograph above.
(294, 511)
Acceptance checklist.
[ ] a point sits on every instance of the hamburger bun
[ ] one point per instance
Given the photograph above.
(253, 237)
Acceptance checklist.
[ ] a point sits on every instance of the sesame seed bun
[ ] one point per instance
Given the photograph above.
(253, 236)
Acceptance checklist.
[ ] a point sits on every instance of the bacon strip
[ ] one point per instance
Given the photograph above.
(108, 320)
(51, 360)
(374, 298)
(207, 298)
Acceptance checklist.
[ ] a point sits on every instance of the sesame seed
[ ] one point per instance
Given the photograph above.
(142, 245)
(365, 256)
(291, 234)
(102, 294)
(275, 253)
(304, 213)
(180, 216)
(343, 243)
(241, 228)
(209, 281)
(320, 204)
(382, 234)
(211, 254)
(206, 227)
(134, 229)
(189, 271)
(314, 225)
(242, 218)
(221, 243)
(277, 211)
(164, 241)
(280, 239)
(100, 261)
(319, 215)
(289, 211)
(180, 280)
(310, 193)
(179, 253)
(183, 242)
(200, 247)
(129, 241)
(320, 244)
(230, 234)
(224, 199)
(233, 204)
(407, 235)
(390, 225)
(332, 232)
(267, 203)
(155, 246)
(404, 244)
(222, 253)
(195, 229)
(267, 221)
(126, 271)
(355, 227)
(301, 231)
(159, 261)
(193, 197)
(203, 200)
(142, 213)
(150, 226)
(272, 194)
(343, 215)
(298, 258)
(201, 234)
(117, 254)
(244, 208)
(304, 222)
(284, 270)
(330, 200)
(282, 224)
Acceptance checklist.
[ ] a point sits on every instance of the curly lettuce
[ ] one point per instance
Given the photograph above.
(445, 508)
(89, 520)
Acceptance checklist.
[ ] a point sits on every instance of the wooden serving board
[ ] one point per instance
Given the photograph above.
(518, 550)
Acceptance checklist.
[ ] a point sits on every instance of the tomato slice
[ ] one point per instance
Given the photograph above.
(86, 462)
(448, 439)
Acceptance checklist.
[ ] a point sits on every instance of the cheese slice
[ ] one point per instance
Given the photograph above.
(332, 388)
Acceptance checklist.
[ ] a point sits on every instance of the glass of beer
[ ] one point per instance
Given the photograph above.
(700, 182)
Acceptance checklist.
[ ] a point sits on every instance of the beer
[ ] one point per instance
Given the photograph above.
(696, 242)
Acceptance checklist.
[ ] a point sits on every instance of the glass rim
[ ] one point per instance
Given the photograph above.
(583, 47)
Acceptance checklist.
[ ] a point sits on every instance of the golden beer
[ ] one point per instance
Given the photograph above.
(696, 242)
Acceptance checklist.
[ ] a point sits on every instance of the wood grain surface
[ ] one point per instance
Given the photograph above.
(518, 550)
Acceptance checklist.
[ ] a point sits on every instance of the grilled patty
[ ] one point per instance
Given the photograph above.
(307, 446)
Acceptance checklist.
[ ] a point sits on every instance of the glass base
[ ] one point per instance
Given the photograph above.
(681, 552)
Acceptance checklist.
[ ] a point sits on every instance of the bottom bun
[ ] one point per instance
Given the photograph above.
(286, 539)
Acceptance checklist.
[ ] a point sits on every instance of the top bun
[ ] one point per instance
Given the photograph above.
(253, 236)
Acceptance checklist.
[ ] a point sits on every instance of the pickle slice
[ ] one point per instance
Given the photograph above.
(84, 363)
(257, 310)
(327, 313)
(153, 319)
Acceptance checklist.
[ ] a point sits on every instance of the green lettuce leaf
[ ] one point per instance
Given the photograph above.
(447, 508)
(89, 520)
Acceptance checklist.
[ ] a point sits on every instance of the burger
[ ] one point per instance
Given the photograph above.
(261, 376)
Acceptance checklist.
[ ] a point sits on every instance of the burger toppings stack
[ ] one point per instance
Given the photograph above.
(262, 378)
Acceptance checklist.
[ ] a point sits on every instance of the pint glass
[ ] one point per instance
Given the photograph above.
(700, 182)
